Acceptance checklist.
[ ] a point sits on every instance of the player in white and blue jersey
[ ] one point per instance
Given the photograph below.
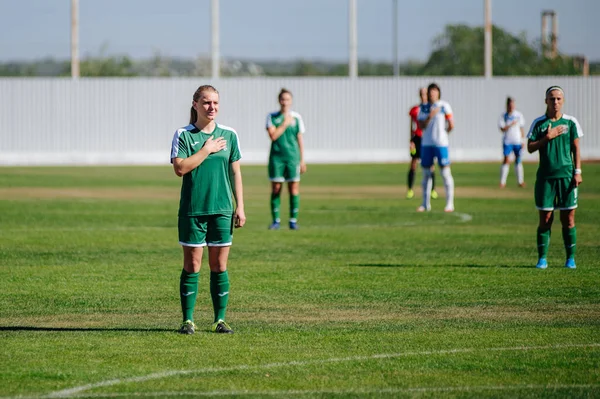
(511, 125)
(436, 120)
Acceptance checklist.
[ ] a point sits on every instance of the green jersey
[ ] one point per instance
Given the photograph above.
(207, 189)
(286, 145)
(555, 157)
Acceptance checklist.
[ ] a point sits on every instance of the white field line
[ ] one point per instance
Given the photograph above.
(72, 392)
(464, 218)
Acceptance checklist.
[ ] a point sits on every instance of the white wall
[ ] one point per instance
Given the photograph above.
(132, 121)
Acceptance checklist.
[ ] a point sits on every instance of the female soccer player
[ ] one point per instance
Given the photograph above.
(556, 137)
(207, 156)
(437, 122)
(416, 134)
(286, 158)
(511, 125)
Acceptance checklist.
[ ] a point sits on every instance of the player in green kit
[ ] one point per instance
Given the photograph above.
(207, 156)
(556, 137)
(286, 157)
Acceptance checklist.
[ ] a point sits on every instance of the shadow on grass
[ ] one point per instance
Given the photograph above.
(86, 329)
(446, 265)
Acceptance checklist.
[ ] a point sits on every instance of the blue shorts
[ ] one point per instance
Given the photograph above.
(429, 153)
(514, 148)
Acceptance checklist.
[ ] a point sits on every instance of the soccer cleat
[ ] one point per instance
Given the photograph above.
(449, 209)
(187, 327)
(274, 226)
(423, 209)
(434, 194)
(293, 225)
(410, 194)
(542, 263)
(220, 327)
(570, 263)
(522, 185)
(502, 185)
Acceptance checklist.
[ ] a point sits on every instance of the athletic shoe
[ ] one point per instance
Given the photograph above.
(220, 327)
(448, 209)
(522, 185)
(294, 225)
(434, 194)
(274, 226)
(410, 194)
(570, 263)
(542, 263)
(423, 209)
(187, 327)
(502, 185)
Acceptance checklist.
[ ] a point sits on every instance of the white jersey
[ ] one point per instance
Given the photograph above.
(513, 135)
(435, 134)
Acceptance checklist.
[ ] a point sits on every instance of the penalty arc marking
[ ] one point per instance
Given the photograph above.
(72, 392)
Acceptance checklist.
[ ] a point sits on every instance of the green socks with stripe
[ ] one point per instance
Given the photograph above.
(219, 291)
(275, 204)
(188, 291)
(570, 240)
(294, 207)
(543, 242)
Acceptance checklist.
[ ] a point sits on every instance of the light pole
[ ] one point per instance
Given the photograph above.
(352, 40)
(395, 38)
(75, 39)
(215, 57)
(488, 38)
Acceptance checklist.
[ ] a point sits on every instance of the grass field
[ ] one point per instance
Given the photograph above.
(368, 300)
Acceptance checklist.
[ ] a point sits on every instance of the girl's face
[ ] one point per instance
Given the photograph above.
(554, 101)
(207, 105)
(433, 95)
(285, 100)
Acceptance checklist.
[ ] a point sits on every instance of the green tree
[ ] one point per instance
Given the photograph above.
(459, 52)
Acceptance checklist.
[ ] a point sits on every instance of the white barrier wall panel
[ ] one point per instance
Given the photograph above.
(132, 121)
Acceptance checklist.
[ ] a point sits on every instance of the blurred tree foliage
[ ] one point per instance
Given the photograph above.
(458, 51)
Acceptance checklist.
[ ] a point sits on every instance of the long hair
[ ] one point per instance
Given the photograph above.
(197, 94)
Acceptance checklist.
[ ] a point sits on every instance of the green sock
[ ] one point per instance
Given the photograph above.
(294, 207)
(275, 203)
(219, 291)
(543, 242)
(570, 240)
(188, 291)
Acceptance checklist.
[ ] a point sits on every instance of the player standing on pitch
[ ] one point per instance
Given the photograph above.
(556, 137)
(207, 155)
(416, 134)
(286, 157)
(511, 125)
(436, 120)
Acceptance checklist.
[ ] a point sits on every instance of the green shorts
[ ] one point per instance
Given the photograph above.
(555, 193)
(211, 230)
(283, 170)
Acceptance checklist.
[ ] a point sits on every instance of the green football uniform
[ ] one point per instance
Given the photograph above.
(553, 187)
(555, 158)
(206, 190)
(284, 156)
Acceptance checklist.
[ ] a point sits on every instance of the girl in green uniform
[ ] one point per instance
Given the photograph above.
(556, 137)
(286, 157)
(207, 156)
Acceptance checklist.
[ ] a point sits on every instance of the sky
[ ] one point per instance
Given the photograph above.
(275, 30)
